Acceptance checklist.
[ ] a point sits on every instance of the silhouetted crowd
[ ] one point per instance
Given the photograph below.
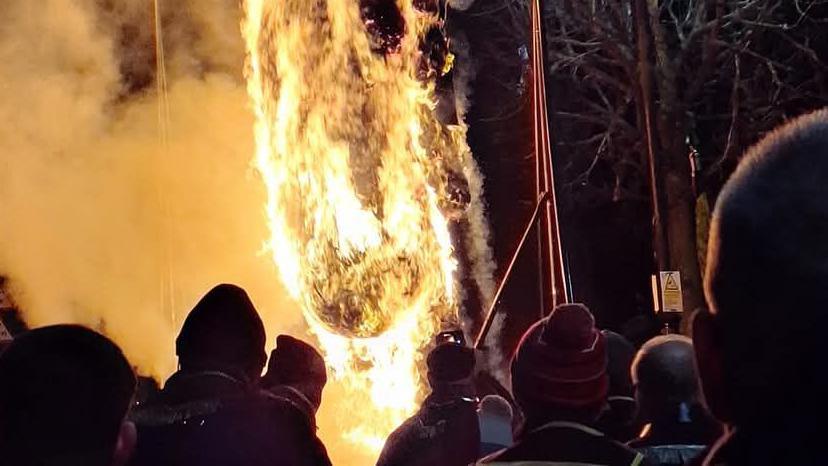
(747, 389)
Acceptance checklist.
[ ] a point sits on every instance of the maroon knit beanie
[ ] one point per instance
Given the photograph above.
(294, 361)
(561, 362)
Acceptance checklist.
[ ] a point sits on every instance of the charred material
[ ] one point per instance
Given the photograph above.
(385, 25)
(458, 196)
(435, 58)
(350, 293)
(428, 6)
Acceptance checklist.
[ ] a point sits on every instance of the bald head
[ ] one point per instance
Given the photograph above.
(766, 278)
(664, 371)
(496, 406)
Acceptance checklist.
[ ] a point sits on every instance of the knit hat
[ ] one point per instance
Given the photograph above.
(449, 362)
(223, 331)
(294, 361)
(561, 362)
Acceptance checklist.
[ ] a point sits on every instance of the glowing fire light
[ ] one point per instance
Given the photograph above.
(357, 170)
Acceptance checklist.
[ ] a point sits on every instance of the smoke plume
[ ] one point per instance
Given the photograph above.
(121, 205)
(101, 221)
(460, 5)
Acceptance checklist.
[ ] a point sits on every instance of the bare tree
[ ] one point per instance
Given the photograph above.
(642, 84)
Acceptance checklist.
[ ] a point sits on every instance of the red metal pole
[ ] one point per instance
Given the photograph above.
(543, 152)
(551, 273)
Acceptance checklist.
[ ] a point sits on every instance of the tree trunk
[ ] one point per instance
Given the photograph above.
(675, 170)
(645, 121)
(681, 234)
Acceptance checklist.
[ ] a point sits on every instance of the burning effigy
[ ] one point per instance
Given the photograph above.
(364, 184)
(365, 193)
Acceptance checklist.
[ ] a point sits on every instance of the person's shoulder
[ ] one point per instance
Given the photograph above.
(611, 452)
(407, 431)
(528, 449)
(273, 411)
(163, 414)
(569, 446)
(672, 454)
(284, 398)
(625, 454)
(280, 430)
(639, 442)
(495, 457)
(402, 442)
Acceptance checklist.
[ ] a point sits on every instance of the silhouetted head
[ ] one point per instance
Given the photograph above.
(620, 354)
(617, 421)
(495, 422)
(664, 372)
(299, 365)
(450, 368)
(760, 350)
(223, 332)
(64, 393)
(559, 370)
(640, 328)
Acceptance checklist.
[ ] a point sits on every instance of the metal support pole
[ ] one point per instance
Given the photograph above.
(552, 281)
(490, 315)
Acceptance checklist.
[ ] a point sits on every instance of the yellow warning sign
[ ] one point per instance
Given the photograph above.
(671, 295)
(5, 335)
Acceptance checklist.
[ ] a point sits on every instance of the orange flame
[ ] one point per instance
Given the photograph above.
(355, 167)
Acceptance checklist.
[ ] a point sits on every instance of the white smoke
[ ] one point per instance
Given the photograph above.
(460, 5)
(478, 237)
(100, 223)
(104, 222)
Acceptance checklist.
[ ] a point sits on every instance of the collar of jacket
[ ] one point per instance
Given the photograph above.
(568, 425)
(446, 399)
(189, 386)
(294, 398)
(188, 395)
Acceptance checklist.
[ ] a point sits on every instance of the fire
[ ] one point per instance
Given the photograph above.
(357, 171)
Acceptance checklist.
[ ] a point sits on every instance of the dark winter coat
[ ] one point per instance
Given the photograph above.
(794, 442)
(215, 419)
(674, 443)
(618, 420)
(292, 398)
(443, 432)
(568, 443)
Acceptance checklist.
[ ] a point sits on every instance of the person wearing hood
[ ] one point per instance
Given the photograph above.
(295, 378)
(210, 412)
(445, 430)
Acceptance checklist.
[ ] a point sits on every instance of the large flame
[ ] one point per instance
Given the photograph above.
(357, 170)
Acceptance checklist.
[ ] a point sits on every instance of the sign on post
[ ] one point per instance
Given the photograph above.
(671, 295)
(5, 335)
